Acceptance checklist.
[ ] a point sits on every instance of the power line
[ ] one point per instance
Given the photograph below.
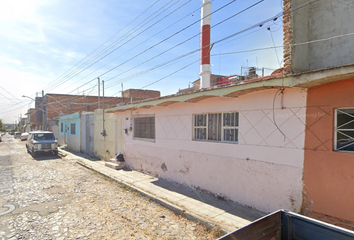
(103, 43)
(198, 21)
(230, 36)
(146, 40)
(89, 63)
(174, 34)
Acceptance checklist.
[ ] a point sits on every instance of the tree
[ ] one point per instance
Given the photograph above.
(1, 126)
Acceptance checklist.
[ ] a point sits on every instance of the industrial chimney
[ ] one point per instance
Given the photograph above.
(205, 45)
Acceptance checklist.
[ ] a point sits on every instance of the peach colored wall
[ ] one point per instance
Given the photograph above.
(328, 175)
(264, 170)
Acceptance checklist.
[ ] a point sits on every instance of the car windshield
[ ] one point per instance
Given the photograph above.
(43, 136)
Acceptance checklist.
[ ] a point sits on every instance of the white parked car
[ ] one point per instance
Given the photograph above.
(24, 136)
(17, 135)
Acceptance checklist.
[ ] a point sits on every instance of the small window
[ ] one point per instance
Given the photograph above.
(72, 129)
(61, 127)
(144, 127)
(218, 127)
(344, 130)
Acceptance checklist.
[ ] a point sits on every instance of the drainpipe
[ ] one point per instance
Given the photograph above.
(205, 45)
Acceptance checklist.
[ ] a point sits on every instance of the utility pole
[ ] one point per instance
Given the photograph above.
(103, 131)
(122, 92)
(99, 92)
(43, 110)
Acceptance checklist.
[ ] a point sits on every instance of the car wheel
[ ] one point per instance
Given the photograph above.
(27, 149)
(33, 153)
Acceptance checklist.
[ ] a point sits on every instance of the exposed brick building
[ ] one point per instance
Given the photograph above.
(55, 105)
(31, 123)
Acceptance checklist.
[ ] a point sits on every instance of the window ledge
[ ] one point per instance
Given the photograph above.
(144, 139)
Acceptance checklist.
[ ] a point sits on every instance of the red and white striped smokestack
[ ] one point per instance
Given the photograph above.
(205, 45)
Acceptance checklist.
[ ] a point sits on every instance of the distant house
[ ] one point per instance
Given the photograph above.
(51, 105)
(30, 122)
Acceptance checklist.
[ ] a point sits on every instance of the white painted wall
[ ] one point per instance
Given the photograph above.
(104, 145)
(264, 170)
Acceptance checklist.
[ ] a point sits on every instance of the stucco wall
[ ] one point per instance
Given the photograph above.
(104, 145)
(74, 143)
(65, 135)
(74, 140)
(264, 170)
(317, 21)
(328, 175)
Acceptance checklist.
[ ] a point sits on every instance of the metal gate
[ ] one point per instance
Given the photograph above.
(87, 133)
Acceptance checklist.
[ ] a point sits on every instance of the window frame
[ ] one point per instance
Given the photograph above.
(140, 116)
(338, 129)
(71, 128)
(220, 126)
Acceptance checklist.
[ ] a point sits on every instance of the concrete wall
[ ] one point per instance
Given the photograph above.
(264, 170)
(56, 131)
(328, 175)
(87, 133)
(316, 21)
(104, 145)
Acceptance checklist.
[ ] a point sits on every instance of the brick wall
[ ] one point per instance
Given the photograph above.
(140, 94)
(58, 105)
(31, 112)
(287, 36)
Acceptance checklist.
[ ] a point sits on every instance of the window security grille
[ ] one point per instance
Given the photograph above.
(144, 127)
(344, 130)
(219, 127)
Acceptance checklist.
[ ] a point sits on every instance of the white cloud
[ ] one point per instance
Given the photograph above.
(9, 60)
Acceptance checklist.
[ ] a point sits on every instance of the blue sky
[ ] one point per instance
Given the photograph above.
(62, 46)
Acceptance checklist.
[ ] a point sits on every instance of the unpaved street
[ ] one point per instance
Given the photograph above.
(51, 197)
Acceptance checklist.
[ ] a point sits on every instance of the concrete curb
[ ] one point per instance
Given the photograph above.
(162, 202)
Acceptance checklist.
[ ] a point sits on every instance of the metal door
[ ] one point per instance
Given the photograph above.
(119, 136)
(87, 134)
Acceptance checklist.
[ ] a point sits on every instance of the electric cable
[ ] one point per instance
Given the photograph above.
(74, 73)
(107, 40)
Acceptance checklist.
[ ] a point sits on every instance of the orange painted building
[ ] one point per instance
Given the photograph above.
(329, 153)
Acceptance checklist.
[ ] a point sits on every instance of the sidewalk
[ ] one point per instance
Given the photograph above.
(186, 201)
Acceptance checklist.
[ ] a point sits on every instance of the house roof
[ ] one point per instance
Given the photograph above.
(229, 91)
(276, 80)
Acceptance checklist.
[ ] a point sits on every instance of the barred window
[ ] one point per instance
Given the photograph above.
(144, 127)
(344, 130)
(72, 128)
(219, 127)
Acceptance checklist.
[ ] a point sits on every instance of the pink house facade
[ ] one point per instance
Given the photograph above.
(243, 142)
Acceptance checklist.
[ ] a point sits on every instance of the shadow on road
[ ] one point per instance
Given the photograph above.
(46, 156)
